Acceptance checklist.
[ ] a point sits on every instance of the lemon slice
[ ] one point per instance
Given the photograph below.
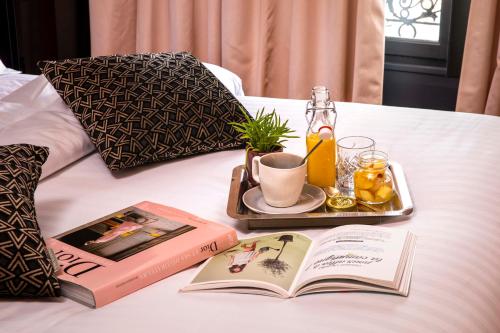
(341, 202)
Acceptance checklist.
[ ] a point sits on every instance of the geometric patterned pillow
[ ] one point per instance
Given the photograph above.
(25, 267)
(143, 108)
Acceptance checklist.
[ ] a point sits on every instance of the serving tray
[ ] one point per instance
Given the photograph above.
(400, 205)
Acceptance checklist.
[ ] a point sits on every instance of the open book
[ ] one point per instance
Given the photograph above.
(289, 264)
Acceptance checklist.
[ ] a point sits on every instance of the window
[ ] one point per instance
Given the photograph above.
(418, 20)
(423, 54)
(419, 29)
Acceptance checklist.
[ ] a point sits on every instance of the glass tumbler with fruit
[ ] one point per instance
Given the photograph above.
(373, 182)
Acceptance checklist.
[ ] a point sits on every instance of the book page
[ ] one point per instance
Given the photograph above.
(124, 233)
(270, 261)
(356, 251)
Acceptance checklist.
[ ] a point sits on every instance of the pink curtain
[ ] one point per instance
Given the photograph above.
(279, 48)
(479, 88)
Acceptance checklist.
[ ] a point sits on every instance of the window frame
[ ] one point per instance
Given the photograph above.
(426, 56)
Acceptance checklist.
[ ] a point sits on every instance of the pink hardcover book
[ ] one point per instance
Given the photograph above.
(120, 253)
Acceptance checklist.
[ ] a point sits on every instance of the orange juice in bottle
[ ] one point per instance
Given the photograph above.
(321, 115)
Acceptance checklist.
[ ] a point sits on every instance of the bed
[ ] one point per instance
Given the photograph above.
(451, 163)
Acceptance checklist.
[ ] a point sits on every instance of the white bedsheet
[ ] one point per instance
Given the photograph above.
(451, 162)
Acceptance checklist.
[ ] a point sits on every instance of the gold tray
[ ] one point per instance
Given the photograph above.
(400, 206)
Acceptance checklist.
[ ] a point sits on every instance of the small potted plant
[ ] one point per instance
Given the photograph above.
(265, 134)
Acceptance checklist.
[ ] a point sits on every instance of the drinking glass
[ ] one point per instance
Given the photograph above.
(373, 180)
(348, 149)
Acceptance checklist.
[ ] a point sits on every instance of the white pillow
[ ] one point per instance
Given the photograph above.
(36, 114)
(11, 82)
(228, 78)
(34, 95)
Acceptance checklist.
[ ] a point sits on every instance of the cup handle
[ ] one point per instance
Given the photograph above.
(255, 168)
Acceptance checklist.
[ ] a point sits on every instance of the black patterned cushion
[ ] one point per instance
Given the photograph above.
(25, 267)
(144, 108)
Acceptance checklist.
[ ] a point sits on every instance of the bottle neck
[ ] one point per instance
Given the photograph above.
(319, 117)
(320, 110)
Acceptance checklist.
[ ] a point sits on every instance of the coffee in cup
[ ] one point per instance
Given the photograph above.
(281, 177)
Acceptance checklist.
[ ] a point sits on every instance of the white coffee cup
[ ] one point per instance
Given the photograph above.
(281, 177)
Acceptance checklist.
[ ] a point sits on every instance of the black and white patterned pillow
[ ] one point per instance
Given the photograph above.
(25, 267)
(143, 108)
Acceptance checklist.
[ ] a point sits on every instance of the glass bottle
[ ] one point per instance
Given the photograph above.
(373, 180)
(321, 116)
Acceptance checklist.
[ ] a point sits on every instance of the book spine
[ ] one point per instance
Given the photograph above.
(170, 266)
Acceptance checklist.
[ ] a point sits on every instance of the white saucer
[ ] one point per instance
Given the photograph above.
(311, 198)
